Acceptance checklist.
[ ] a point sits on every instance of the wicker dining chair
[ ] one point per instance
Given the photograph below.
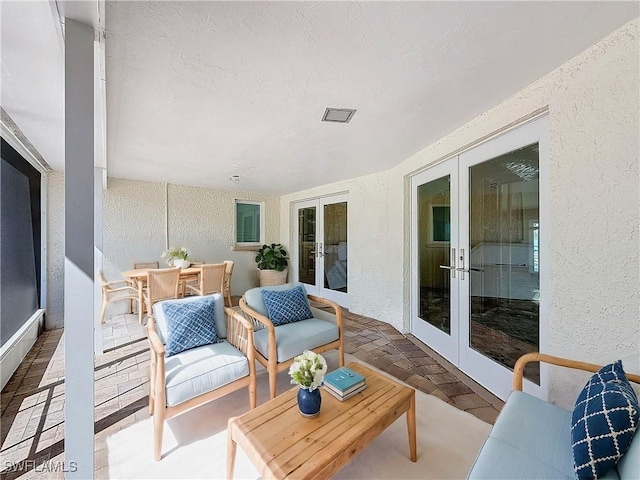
(115, 291)
(146, 265)
(227, 282)
(210, 280)
(162, 284)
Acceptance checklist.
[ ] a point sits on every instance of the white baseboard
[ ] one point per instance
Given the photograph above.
(13, 352)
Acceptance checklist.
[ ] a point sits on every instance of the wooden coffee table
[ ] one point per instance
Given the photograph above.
(283, 444)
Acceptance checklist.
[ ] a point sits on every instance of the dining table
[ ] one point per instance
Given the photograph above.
(139, 278)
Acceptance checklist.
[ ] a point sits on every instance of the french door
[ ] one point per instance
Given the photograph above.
(321, 247)
(477, 257)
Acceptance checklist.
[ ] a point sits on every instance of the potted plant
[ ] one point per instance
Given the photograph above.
(177, 257)
(272, 263)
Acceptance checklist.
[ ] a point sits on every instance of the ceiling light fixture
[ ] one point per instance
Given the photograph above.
(235, 179)
(340, 115)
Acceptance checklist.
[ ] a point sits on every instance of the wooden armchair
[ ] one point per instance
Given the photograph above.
(115, 291)
(276, 346)
(203, 372)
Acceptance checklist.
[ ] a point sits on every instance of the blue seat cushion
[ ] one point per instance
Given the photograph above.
(604, 421)
(294, 338)
(201, 370)
(287, 306)
(189, 325)
(218, 314)
(530, 439)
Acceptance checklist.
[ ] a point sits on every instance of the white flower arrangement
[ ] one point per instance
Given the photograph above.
(177, 252)
(307, 370)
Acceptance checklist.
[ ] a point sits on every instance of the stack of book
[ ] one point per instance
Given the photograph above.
(344, 383)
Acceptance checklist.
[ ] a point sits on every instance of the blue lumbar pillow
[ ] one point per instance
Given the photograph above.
(604, 421)
(286, 306)
(189, 325)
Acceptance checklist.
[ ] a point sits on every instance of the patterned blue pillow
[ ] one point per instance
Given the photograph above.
(189, 325)
(604, 421)
(287, 306)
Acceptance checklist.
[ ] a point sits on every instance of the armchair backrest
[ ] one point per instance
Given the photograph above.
(218, 315)
(254, 298)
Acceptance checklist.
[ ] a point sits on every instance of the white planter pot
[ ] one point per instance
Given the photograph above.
(178, 262)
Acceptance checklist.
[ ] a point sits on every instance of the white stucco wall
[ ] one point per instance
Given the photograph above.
(594, 200)
(200, 219)
(54, 317)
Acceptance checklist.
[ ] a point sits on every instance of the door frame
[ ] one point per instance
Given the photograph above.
(318, 289)
(532, 131)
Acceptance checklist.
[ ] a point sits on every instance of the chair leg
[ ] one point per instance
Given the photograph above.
(158, 429)
(102, 311)
(273, 372)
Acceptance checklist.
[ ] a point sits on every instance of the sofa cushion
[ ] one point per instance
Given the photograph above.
(189, 325)
(604, 421)
(254, 298)
(629, 465)
(294, 338)
(201, 370)
(218, 315)
(530, 436)
(287, 306)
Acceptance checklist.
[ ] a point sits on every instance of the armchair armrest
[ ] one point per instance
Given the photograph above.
(328, 303)
(518, 369)
(154, 340)
(240, 332)
(128, 283)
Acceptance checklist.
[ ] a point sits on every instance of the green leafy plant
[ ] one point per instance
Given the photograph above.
(272, 257)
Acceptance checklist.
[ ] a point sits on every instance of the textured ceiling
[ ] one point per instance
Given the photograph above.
(199, 91)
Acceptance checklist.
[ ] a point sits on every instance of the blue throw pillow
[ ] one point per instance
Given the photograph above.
(286, 306)
(603, 423)
(189, 325)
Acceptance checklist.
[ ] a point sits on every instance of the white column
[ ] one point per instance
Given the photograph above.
(79, 249)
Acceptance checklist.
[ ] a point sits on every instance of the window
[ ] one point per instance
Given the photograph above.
(249, 223)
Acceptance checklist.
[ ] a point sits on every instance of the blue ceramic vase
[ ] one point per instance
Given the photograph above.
(309, 402)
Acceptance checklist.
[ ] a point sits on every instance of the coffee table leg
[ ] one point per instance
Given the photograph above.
(231, 450)
(411, 428)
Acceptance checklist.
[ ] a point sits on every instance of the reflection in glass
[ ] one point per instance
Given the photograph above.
(307, 245)
(335, 246)
(434, 237)
(504, 257)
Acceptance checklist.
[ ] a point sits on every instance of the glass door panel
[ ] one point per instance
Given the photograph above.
(504, 301)
(335, 246)
(435, 291)
(306, 255)
(434, 240)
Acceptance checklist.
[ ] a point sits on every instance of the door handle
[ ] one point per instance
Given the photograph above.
(451, 268)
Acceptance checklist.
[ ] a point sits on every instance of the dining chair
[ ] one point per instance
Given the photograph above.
(140, 284)
(114, 291)
(162, 284)
(146, 265)
(227, 282)
(210, 280)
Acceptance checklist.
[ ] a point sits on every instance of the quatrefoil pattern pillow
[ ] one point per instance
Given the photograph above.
(286, 306)
(604, 421)
(189, 325)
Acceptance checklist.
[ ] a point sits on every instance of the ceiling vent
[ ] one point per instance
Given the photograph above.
(341, 115)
